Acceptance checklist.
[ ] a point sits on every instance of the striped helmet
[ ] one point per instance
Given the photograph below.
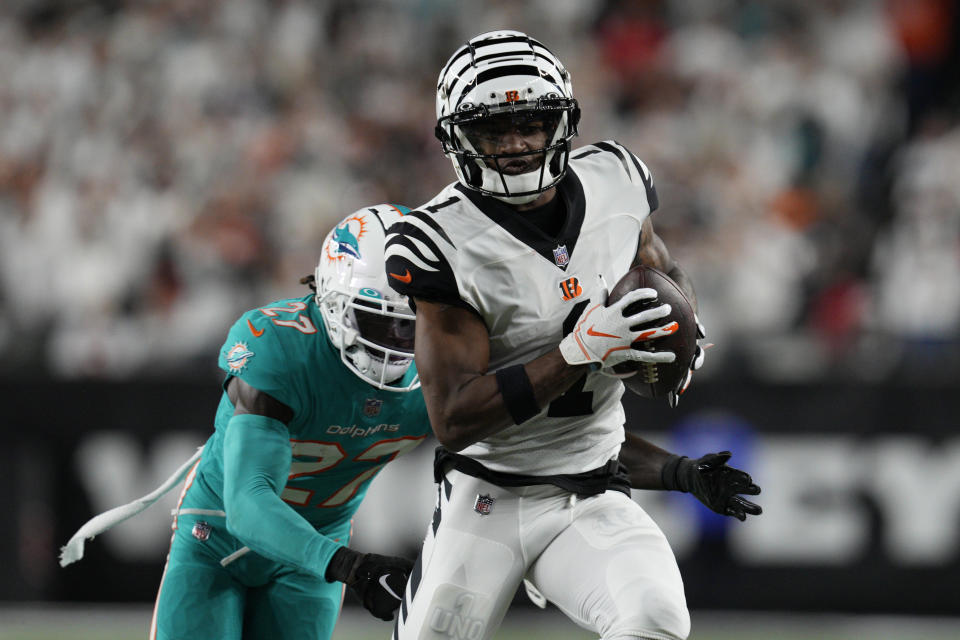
(500, 80)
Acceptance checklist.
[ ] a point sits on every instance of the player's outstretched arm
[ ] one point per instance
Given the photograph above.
(714, 483)
(645, 462)
(257, 459)
(256, 463)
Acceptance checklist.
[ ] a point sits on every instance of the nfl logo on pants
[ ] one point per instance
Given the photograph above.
(484, 504)
(201, 531)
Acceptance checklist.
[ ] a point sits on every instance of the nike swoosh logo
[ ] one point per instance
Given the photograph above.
(406, 277)
(591, 332)
(383, 581)
(256, 332)
(659, 332)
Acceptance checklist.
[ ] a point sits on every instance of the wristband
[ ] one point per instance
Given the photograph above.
(668, 474)
(517, 392)
(342, 565)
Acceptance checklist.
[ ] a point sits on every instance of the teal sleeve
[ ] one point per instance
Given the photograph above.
(256, 463)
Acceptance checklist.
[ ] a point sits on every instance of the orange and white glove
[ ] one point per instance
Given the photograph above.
(603, 335)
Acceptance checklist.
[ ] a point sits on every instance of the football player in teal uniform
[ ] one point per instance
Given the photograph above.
(320, 393)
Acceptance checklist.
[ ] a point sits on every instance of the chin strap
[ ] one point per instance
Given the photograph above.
(518, 199)
(362, 360)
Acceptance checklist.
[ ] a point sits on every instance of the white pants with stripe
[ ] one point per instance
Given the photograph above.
(601, 560)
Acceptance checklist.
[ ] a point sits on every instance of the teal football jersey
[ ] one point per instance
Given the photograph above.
(344, 430)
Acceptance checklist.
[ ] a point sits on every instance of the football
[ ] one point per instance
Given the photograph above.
(656, 380)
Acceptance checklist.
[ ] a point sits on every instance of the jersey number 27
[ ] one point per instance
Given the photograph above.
(322, 456)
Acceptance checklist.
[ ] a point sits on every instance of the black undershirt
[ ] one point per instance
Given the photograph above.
(548, 218)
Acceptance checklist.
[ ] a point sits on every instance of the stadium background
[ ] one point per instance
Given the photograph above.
(166, 165)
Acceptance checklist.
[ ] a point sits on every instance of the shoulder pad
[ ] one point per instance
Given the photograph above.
(635, 170)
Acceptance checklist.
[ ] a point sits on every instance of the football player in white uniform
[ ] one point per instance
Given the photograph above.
(507, 269)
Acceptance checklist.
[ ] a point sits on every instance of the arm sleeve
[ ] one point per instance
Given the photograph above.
(256, 463)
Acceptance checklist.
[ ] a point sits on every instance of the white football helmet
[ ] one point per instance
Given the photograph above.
(509, 76)
(371, 324)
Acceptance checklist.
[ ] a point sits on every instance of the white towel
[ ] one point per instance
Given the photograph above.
(73, 550)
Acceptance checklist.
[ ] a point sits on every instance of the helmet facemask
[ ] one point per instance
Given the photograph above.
(375, 337)
(470, 135)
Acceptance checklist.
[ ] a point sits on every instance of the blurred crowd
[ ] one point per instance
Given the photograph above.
(167, 164)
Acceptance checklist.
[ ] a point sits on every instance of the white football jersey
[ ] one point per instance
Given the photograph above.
(529, 289)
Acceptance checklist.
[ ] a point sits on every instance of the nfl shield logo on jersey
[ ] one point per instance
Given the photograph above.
(201, 531)
(372, 407)
(484, 504)
(560, 255)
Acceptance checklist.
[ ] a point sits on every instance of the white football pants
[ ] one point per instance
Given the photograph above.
(601, 560)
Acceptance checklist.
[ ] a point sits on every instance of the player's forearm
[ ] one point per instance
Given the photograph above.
(256, 464)
(476, 408)
(266, 524)
(644, 460)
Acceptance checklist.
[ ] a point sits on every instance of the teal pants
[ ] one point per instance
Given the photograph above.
(250, 597)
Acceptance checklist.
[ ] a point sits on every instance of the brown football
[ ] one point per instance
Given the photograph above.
(656, 380)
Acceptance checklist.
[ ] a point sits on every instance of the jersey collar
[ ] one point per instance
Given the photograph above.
(569, 189)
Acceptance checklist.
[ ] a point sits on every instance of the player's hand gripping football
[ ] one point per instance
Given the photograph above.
(713, 482)
(377, 580)
(603, 335)
(673, 397)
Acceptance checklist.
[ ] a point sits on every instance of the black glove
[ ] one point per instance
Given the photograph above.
(378, 581)
(713, 483)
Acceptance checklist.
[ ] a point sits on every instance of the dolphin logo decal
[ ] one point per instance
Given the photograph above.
(346, 242)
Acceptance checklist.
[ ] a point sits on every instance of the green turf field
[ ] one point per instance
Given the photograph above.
(73, 622)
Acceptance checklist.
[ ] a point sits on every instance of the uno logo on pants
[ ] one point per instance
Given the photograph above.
(457, 613)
